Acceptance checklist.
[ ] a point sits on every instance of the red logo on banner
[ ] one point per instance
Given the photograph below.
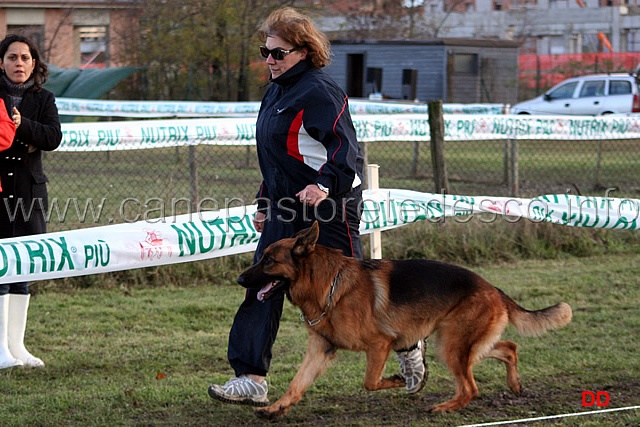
(152, 246)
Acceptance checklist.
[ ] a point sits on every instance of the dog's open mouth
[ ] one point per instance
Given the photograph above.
(269, 289)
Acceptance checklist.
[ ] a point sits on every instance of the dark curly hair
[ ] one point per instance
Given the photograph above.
(41, 71)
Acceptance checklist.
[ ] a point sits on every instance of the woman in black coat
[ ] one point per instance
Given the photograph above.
(23, 198)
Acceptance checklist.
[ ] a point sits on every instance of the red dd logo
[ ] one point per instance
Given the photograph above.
(599, 398)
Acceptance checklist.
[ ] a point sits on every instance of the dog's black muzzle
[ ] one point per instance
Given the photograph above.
(254, 278)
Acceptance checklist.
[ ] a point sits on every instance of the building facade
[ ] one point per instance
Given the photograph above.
(551, 26)
(542, 27)
(73, 33)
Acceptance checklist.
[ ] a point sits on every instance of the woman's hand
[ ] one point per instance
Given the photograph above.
(258, 221)
(311, 195)
(17, 119)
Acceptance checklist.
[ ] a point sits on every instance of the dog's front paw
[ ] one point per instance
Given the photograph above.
(394, 381)
(271, 412)
(265, 415)
(450, 405)
(517, 390)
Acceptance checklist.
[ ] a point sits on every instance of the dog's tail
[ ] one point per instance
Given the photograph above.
(537, 322)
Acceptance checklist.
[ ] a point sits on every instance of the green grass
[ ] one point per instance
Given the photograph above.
(106, 338)
(478, 167)
(143, 352)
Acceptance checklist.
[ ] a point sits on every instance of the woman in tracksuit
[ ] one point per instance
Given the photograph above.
(312, 168)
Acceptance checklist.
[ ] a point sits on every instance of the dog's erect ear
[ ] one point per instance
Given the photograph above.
(306, 241)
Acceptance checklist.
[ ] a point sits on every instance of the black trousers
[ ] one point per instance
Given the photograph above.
(16, 225)
(256, 323)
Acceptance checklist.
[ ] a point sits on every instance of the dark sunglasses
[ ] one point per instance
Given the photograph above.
(278, 53)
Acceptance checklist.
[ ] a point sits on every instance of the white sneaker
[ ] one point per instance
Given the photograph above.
(241, 390)
(413, 368)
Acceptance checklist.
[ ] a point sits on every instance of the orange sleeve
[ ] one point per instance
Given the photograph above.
(7, 128)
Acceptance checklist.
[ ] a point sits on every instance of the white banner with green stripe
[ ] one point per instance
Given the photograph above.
(155, 109)
(211, 234)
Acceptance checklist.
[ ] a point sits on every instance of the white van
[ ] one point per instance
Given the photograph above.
(589, 95)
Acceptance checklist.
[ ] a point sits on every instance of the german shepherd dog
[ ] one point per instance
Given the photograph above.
(377, 306)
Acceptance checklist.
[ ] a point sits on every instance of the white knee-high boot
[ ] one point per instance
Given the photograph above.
(18, 307)
(7, 360)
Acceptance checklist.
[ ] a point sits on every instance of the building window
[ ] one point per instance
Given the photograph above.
(374, 80)
(529, 46)
(465, 63)
(633, 41)
(459, 6)
(558, 4)
(93, 47)
(409, 83)
(497, 5)
(35, 33)
(557, 45)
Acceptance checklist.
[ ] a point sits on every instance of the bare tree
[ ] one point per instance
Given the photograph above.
(372, 19)
(200, 49)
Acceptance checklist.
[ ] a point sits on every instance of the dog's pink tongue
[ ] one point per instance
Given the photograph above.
(264, 290)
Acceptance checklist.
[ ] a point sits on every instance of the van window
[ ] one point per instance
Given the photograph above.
(619, 87)
(592, 88)
(564, 91)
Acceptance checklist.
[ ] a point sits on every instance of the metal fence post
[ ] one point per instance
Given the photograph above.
(514, 179)
(506, 163)
(414, 162)
(193, 178)
(596, 179)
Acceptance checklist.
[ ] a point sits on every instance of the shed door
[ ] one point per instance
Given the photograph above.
(463, 82)
(355, 72)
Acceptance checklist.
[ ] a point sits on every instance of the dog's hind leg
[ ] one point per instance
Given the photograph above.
(460, 365)
(319, 354)
(463, 342)
(507, 352)
(471, 336)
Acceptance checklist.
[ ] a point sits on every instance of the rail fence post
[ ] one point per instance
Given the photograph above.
(436, 128)
(376, 236)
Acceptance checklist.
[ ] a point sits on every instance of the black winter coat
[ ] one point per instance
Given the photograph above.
(21, 173)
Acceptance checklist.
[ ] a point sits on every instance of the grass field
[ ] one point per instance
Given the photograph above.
(128, 354)
(139, 348)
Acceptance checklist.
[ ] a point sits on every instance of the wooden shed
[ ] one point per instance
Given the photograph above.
(453, 70)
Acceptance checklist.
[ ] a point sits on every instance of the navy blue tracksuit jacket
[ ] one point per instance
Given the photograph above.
(304, 135)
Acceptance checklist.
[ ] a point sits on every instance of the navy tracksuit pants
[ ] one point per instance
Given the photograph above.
(256, 323)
